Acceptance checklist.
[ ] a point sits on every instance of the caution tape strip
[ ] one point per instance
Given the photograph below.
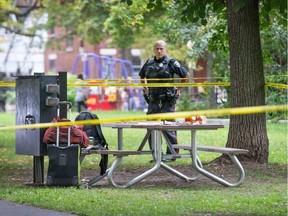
(277, 85)
(166, 116)
(152, 79)
(152, 84)
(99, 84)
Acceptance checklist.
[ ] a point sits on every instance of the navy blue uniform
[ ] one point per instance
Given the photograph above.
(162, 99)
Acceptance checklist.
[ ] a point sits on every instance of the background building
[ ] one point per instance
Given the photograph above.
(64, 57)
(22, 55)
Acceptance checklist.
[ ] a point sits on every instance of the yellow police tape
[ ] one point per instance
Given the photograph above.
(7, 83)
(150, 84)
(101, 84)
(129, 80)
(166, 116)
(277, 85)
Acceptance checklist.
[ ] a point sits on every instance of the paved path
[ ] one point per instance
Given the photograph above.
(15, 209)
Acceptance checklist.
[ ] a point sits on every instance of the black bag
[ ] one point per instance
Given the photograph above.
(64, 165)
(95, 132)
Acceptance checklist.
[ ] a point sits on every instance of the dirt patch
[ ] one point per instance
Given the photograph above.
(162, 178)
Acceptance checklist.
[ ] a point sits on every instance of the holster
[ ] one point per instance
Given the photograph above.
(174, 99)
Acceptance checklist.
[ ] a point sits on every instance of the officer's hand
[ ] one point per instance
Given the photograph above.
(145, 90)
(178, 91)
(176, 96)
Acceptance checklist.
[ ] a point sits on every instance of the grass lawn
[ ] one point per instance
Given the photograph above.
(264, 191)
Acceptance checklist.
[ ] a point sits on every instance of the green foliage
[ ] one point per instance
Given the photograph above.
(93, 15)
(274, 40)
(82, 18)
(10, 96)
(276, 95)
(71, 92)
(116, 26)
(185, 103)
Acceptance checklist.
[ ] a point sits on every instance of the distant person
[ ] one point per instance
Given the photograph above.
(160, 69)
(2, 100)
(131, 95)
(81, 96)
(124, 100)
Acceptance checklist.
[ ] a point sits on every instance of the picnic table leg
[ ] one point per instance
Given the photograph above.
(179, 174)
(175, 172)
(141, 146)
(99, 177)
(156, 147)
(211, 175)
(120, 138)
(94, 180)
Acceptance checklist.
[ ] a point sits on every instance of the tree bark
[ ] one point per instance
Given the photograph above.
(247, 80)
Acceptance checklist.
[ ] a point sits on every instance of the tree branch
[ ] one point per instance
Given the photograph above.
(27, 12)
(19, 32)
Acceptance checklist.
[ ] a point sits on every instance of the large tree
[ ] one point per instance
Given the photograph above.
(247, 79)
(246, 65)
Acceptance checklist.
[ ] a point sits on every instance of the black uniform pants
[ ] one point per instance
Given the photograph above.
(81, 104)
(158, 106)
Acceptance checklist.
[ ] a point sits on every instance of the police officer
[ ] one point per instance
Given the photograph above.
(161, 69)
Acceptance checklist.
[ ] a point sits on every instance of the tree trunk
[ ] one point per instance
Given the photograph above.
(247, 80)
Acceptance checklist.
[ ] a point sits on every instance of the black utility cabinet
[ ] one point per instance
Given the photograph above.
(31, 108)
(37, 97)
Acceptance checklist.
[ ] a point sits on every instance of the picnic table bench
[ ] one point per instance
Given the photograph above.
(224, 150)
(121, 153)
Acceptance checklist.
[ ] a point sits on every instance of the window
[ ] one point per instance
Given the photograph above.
(81, 46)
(69, 44)
(136, 62)
(52, 65)
(82, 43)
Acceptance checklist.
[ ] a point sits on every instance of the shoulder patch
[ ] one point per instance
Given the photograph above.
(176, 64)
(150, 61)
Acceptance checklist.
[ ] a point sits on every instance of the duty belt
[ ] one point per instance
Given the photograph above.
(157, 97)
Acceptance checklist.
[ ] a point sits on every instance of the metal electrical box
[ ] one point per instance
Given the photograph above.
(36, 102)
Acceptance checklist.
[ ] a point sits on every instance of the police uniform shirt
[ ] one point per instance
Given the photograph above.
(163, 68)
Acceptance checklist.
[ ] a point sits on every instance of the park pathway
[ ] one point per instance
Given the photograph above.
(15, 209)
